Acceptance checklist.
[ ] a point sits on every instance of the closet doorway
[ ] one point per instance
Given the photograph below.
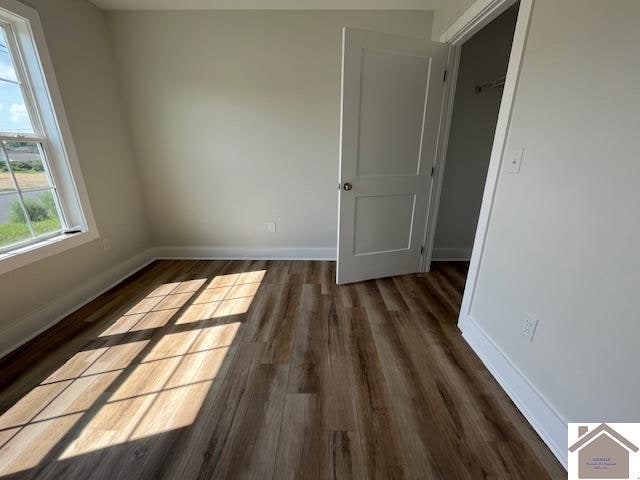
(481, 73)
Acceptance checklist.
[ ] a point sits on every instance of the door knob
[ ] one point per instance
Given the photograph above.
(347, 186)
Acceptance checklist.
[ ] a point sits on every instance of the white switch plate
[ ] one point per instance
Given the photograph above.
(271, 227)
(529, 326)
(515, 160)
(106, 244)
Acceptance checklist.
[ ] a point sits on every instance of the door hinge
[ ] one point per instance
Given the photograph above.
(444, 76)
(421, 249)
(339, 186)
(433, 170)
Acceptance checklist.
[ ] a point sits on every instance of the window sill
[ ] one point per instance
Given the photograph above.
(41, 250)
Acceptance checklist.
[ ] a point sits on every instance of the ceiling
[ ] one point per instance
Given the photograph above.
(268, 4)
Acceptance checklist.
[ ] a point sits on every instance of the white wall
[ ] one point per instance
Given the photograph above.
(77, 38)
(563, 236)
(483, 59)
(235, 116)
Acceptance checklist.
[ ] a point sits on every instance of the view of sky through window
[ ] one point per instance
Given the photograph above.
(14, 118)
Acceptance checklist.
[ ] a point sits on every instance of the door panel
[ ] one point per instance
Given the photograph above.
(390, 116)
(391, 103)
(395, 236)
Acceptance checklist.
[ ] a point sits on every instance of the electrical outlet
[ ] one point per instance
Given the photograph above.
(529, 326)
(515, 160)
(106, 244)
(271, 227)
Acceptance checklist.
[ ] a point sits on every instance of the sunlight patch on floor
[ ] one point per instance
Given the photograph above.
(133, 383)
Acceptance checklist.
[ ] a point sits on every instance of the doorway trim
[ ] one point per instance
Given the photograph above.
(470, 22)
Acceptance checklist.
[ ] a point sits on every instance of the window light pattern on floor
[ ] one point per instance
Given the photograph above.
(146, 373)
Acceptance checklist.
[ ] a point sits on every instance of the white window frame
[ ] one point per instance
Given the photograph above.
(44, 104)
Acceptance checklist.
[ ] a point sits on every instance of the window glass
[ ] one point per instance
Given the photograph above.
(6, 180)
(14, 118)
(27, 165)
(43, 212)
(29, 204)
(13, 228)
(7, 72)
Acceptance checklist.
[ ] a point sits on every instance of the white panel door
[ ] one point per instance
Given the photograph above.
(391, 102)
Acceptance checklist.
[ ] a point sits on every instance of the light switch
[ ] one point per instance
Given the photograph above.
(514, 160)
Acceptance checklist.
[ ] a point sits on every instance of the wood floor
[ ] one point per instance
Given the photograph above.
(256, 369)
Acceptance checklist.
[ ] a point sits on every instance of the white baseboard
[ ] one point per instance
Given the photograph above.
(451, 254)
(34, 323)
(545, 420)
(236, 253)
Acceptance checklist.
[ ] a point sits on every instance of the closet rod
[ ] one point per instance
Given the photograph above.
(497, 83)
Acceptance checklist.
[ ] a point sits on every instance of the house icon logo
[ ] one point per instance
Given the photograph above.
(601, 451)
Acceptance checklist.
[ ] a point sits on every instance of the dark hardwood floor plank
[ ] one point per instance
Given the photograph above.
(308, 451)
(279, 343)
(308, 355)
(250, 450)
(453, 272)
(380, 437)
(302, 449)
(344, 456)
(422, 417)
(337, 394)
(391, 296)
(445, 291)
(328, 277)
(261, 314)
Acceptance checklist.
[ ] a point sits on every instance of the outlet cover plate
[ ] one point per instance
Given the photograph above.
(514, 161)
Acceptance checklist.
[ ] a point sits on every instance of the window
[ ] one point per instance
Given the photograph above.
(42, 198)
(29, 204)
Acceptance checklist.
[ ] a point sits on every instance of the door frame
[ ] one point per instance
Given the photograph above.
(470, 22)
